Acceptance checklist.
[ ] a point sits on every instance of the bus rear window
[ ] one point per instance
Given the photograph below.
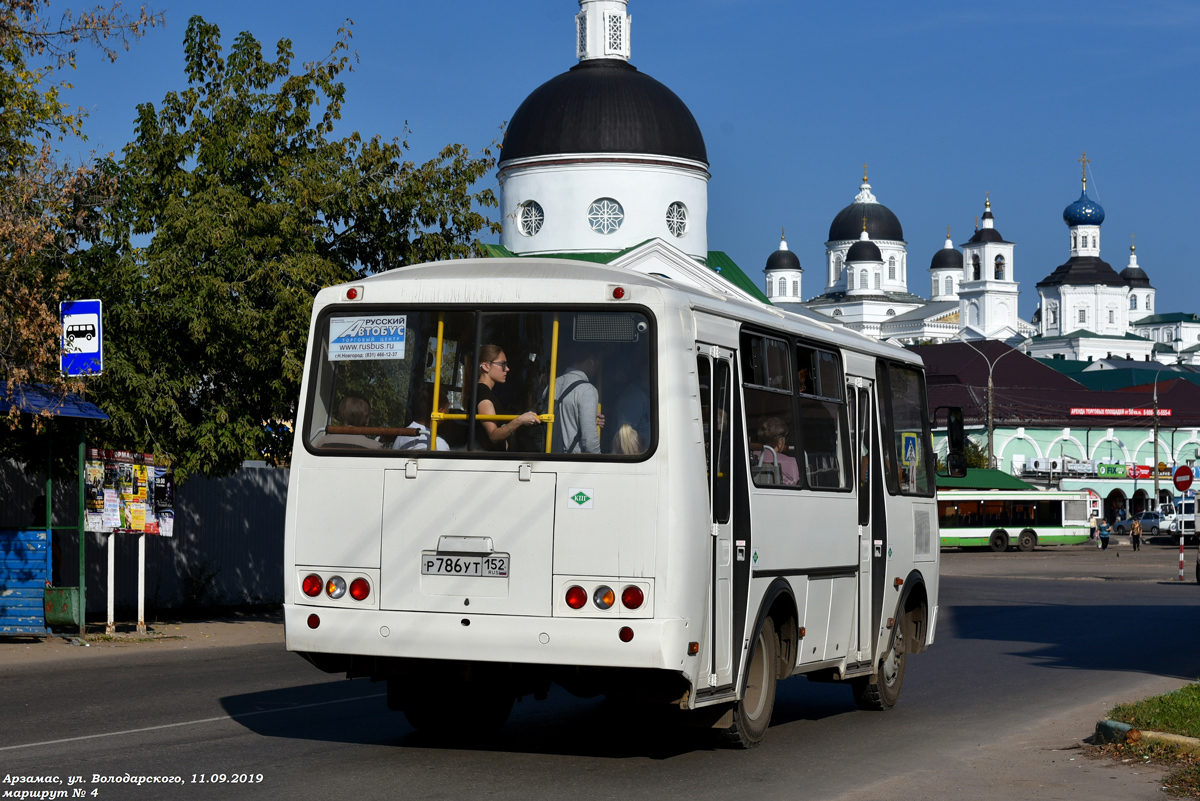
(389, 381)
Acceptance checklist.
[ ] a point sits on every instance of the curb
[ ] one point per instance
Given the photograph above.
(1114, 731)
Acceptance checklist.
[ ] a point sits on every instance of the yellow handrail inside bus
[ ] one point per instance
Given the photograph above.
(550, 391)
(437, 384)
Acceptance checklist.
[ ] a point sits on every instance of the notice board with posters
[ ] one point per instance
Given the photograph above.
(128, 493)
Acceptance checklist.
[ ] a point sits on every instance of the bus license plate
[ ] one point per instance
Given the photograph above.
(490, 566)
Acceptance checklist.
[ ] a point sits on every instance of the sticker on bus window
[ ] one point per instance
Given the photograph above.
(370, 337)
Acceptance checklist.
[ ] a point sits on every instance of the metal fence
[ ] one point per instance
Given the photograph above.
(227, 546)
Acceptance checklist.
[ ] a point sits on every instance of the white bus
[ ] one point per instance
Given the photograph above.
(1001, 519)
(775, 514)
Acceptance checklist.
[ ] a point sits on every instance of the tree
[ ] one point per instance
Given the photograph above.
(42, 198)
(251, 207)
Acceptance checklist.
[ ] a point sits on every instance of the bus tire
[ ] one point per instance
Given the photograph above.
(881, 691)
(1027, 540)
(752, 713)
(998, 542)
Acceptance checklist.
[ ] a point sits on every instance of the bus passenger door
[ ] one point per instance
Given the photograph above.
(715, 370)
(858, 393)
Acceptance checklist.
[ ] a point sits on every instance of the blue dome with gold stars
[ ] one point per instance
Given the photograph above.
(1084, 211)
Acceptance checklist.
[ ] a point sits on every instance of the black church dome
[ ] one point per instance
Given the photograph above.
(603, 106)
(881, 222)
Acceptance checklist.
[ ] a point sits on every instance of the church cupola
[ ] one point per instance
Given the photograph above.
(1141, 293)
(864, 266)
(603, 157)
(885, 233)
(946, 269)
(602, 30)
(1084, 218)
(783, 274)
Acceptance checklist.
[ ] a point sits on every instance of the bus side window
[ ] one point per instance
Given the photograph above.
(822, 417)
(770, 425)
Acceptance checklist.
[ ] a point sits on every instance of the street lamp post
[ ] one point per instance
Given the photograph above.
(1156, 438)
(991, 419)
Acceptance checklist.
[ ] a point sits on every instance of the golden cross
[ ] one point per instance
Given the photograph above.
(864, 222)
(947, 232)
(782, 234)
(1084, 161)
(864, 173)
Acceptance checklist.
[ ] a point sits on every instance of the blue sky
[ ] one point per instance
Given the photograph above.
(943, 100)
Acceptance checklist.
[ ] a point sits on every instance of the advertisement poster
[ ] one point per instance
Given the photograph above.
(128, 493)
(374, 337)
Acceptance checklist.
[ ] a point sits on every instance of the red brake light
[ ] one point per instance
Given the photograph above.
(351, 293)
(632, 597)
(313, 585)
(618, 293)
(576, 597)
(626, 634)
(360, 589)
(314, 621)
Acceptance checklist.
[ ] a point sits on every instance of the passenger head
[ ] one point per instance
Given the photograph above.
(627, 440)
(422, 405)
(772, 431)
(493, 364)
(354, 411)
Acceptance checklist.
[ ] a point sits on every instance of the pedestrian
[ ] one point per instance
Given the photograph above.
(1092, 523)
(1104, 534)
(1135, 534)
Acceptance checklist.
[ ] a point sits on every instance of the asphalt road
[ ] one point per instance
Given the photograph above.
(1021, 669)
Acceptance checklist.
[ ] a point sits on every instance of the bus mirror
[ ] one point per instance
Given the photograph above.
(956, 451)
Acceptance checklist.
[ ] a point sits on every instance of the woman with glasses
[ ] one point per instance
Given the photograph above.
(493, 370)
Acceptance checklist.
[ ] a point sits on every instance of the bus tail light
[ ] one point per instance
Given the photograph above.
(632, 597)
(360, 588)
(626, 634)
(312, 585)
(604, 597)
(336, 587)
(576, 597)
(313, 621)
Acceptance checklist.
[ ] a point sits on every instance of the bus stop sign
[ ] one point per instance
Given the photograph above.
(82, 338)
(1183, 478)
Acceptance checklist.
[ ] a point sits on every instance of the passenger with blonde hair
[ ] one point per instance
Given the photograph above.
(627, 441)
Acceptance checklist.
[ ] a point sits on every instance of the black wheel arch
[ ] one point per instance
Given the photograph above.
(779, 603)
(914, 601)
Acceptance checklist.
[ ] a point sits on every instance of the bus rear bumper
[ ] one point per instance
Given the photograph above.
(656, 643)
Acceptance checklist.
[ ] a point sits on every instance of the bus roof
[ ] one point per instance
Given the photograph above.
(519, 281)
(1017, 495)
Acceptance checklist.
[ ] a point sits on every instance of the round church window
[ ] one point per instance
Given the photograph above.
(530, 217)
(605, 215)
(677, 219)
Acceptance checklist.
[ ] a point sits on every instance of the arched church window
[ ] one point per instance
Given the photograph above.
(850, 279)
(795, 289)
(837, 268)
(677, 219)
(936, 285)
(1133, 301)
(782, 287)
(949, 285)
(1074, 243)
(877, 280)
(530, 217)
(1085, 240)
(891, 268)
(862, 279)
(999, 268)
(1149, 302)
(975, 267)
(605, 215)
(1051, 316)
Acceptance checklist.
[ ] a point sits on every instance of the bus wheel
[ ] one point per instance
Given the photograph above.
(752, 714)
(882, 691)
(998, 542)
(1027, 540)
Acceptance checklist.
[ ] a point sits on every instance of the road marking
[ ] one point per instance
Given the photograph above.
(188, 723)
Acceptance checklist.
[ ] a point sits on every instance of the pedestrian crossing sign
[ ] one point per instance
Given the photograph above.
(908, 449)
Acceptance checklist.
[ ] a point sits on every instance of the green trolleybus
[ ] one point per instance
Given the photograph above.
(999, 520)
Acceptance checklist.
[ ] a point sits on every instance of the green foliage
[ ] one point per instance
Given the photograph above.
(43, 199)
(976, 454)
(1176, 712)
(251, 207)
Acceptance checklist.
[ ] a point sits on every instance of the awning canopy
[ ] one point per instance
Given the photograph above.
(36, 399)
